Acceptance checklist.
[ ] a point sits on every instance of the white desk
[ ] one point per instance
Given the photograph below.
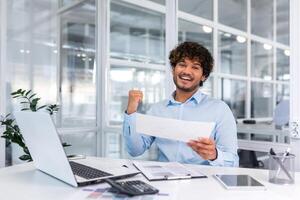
(24, 182)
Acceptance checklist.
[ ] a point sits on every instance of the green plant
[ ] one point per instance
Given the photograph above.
(29, 101)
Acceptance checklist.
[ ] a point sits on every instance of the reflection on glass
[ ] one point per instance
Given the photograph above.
(82, 143)
(283, 65)
(137, 34)
(31, 48)
(66, 2)
(283, 21)
(189, 31)
(262, 13)
(233, 13)
(261, 60)
(232, 53)
(78, 66)
(200, 8)
(123, 79)
(261, 99)
(283, 92)
(234, 94)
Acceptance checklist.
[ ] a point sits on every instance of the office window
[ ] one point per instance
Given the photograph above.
(78, 41)
(233, 13)
(31, 52)
(207, 87)
(189, 31)
(123, 79)
(140, 31)
(283, 21)
(283, 92)
(200, 8)
(66, 2)
(232, 53)
(261, 100)
(81, 143)
(162, 2)
(113, 144)
(262, 13)
(261, 60)
(234, 94)
(283, 65)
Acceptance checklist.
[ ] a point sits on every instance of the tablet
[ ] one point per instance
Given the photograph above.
(239, 182)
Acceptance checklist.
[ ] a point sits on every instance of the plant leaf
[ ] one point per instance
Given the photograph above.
(25, 157)
(41, 107)
(27, 92)
(32, 96)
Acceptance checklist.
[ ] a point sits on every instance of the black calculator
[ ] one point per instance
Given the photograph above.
(131, 188)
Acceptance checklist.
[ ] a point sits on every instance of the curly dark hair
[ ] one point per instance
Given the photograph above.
(193, 51)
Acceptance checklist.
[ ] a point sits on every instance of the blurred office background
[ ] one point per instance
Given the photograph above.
(86, 54)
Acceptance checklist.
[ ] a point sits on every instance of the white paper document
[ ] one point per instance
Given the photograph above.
(172, 128)
(166, 170)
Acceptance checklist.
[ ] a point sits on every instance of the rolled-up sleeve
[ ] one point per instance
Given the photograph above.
(136, 144)
(226, 139)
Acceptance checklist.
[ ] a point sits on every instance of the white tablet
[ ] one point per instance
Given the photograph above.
(239, 182)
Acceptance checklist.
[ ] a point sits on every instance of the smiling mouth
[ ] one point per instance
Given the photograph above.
(185, 78)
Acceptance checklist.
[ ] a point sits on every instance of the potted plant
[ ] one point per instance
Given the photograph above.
(29, 102)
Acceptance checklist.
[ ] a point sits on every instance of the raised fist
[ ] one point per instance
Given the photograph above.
(134, 98)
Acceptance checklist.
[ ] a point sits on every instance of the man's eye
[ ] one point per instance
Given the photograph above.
(181, 64)
(196, 67)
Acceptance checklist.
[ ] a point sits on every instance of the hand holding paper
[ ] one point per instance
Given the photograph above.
(205, 147)
(172, 128)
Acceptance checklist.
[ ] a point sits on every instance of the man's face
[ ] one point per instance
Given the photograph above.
(187, 75)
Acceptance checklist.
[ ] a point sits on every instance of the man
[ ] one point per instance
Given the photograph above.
(191, 66)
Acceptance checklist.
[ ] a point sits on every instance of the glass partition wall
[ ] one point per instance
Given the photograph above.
(57, 46)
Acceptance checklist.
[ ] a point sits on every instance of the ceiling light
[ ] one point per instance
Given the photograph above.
(268, 78)
(267, 47)
(22, 50)
(207, 29)
(287, 52)
(286, 77)
(240, 39)
(227, 34)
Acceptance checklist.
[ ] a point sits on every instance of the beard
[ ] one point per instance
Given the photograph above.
(183, 88)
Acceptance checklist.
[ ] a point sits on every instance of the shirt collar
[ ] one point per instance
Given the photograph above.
(196, 98)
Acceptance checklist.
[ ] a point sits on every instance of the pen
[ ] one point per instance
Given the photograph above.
(272, 152)
(166, 177)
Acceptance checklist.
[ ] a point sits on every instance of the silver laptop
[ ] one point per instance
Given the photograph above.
(48, 154)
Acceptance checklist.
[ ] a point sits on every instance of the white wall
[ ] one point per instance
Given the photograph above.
(295, 80)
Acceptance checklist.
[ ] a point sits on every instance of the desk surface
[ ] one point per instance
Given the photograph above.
(25, 182)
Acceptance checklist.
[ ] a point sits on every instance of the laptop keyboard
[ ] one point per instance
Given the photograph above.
(86, 171)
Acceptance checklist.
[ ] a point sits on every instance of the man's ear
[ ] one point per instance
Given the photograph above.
(203, 78)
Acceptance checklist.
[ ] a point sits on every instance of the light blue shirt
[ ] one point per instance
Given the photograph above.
(199, 107)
